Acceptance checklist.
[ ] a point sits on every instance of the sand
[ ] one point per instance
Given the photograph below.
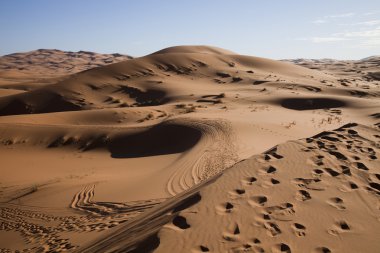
(190, 149)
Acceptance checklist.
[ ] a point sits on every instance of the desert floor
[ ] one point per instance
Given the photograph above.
(188, 149)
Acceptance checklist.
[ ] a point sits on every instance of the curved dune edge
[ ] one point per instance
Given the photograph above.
(331, 180)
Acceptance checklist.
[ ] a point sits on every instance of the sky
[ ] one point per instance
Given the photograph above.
(277, 29)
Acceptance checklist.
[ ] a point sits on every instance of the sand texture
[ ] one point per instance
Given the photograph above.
(188, 149)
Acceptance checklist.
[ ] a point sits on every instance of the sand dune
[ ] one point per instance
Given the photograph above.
(30, 70)
(300, 196)
(169, 153)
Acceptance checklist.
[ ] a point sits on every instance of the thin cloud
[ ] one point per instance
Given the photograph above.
(323, 39)
(371, 13)
(328, 18)
(343, 15)
(369, 23)
(365, 33)
(326, 39)
(369, 38)
(319, 21)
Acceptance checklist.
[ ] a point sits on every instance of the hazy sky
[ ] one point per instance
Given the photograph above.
(343, 29)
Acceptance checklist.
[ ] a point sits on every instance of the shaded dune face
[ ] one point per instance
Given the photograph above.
(301, 104)
(148, 98)
(43, 102)
(375, 75)
(159, 140)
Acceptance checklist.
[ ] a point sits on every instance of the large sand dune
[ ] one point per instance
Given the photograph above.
(169, 153)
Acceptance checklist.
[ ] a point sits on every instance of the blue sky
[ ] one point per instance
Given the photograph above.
(342, 29)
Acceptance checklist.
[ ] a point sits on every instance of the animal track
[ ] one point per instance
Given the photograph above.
(361, 166)
(240, 191)
(340, 227)
(181, 222)
(311, 184)
(258, 200)
(203, 248)
(272, 228)
(344, 226)
(322, 250)
(337, 203)
(299, 229)
(332, 172)
(250, 180)
(271, 169)
(228, 207)
(303, 195)
(283, 212)
(282, 247)
(346, 170)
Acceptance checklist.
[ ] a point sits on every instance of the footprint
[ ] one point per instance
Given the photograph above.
(224, 208)
(372, 157)
(273, 152)
(229, 207)
(332, 172)
(181, 222)
(233, 235)
(318, 172)
(322, 250)
(203, 248)
(266, 216)
(344, 226)
(249, 180)
(299, 229)
(274, 181)
(361, 166)
(272, 228)
(282, 247)
(256, 241)
(258, 200)
(374, 187)
(346, 170)
(236, 230)
(353, 186)
(303, 195)
(340, 227)
(337, 202)
(240, 191)
(338, 155)
(283, 212)
(308, 183)
(271, 170)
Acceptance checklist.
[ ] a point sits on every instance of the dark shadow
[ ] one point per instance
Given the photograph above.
(302, 104)
(15, 107)
(159, 140)
(148, 98)
(181, 222)
(148, 245)
(43, 102)
(188, 202)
